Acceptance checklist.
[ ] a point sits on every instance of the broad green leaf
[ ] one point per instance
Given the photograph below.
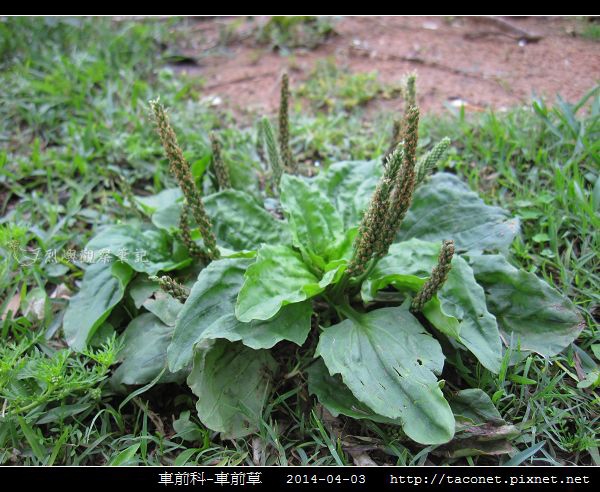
(459, 310)
(388, 361)
(212, 297)
(464, 299)
(337, 398)
(476, 406)
(167, 218)
(144, 353)
(231, 382)
(102, 288)
(209, 314)
(445, 208)
(238, 221)
(164, 307)
(292, 323)
(316, 225)
(277, 278)
(350, 185)
(531, 314)
(148, 251)
(141, 288)
(152, 203)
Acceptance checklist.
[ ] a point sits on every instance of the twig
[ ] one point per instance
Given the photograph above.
(505, 26)
(429, 64)
(153, 417)
(245, 78)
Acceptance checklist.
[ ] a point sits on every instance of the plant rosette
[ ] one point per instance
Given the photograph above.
(391, 270)
(388, 358)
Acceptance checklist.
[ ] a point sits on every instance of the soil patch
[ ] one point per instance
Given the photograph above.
(485, 63)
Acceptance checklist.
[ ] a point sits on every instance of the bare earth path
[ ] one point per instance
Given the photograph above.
(476, 60)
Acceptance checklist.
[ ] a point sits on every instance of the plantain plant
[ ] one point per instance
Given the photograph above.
(391, 270)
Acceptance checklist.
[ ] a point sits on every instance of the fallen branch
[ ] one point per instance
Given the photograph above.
(506, 27)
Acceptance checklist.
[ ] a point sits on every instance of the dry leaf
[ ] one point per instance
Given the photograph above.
(362, 459)
(37, 308)
(13, 305)
(258, 451)
(61, 292)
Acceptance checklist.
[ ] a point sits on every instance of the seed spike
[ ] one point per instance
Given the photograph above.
(272, 151)
(172, 287)
(439, 274)
(284, 125)
(186, 236)
(220, 168)
(401, 198)
(180, 168)
(373, 221)
(389, 203)
(430, 160)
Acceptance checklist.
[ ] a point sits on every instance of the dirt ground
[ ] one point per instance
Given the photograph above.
(476, 61)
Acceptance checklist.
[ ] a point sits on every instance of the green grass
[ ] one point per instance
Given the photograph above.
(286, 32)
(75, 134)
(590, 29)
(337, 89)
(542, 164)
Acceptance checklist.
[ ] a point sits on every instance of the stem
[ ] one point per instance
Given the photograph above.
(344, 310)
(338, 290)
(36, 403)
(361, 278)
